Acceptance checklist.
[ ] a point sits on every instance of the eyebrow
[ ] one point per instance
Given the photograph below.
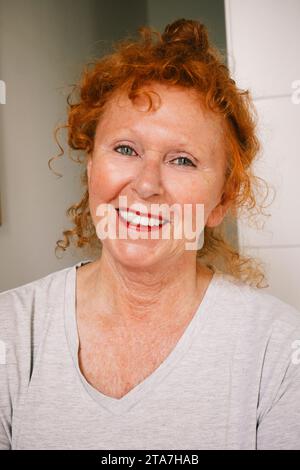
(182, 143)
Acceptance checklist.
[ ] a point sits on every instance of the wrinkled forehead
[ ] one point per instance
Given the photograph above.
(150, 97)
(177, 103)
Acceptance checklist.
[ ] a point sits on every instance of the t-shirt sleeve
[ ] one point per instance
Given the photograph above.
(279, 427)
(5, 406)
(6, 361)
(15, 356)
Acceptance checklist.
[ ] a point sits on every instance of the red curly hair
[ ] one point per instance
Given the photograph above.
(183, 56)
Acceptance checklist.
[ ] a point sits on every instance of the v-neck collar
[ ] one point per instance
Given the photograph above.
(120, 405)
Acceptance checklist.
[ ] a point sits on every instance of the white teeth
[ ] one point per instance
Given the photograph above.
(139, 220)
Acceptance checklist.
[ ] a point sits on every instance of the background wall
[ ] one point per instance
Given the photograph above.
(263, 47)
(43, 47)
(210, 12)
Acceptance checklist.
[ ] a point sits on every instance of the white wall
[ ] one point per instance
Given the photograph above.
(43, 47)
(263, 38)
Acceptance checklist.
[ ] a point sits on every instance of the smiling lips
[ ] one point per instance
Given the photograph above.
(140, 221)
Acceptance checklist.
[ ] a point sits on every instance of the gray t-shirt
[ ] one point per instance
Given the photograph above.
(231, 382)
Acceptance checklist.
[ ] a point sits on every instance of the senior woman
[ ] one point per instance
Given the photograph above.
(151, 345)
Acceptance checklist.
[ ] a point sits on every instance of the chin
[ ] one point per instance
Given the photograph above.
(134, 255)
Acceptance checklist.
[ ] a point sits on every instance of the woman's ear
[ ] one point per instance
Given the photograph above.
(218, 213)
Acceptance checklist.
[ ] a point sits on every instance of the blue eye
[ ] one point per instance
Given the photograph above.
(127, 151)
(190, 163)
(126, 148)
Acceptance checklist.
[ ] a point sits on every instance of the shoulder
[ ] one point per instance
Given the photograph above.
(24, 312)
(256, 305)
(19, 303)
(262, 324)
(266, 333)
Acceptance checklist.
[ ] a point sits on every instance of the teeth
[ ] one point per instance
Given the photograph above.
(139, 220)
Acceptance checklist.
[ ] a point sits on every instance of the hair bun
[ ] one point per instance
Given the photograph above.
(190, 32)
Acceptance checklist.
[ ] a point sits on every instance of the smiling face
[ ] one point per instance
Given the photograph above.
(173, 154)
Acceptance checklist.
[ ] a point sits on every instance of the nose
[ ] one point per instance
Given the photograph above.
(148, 181)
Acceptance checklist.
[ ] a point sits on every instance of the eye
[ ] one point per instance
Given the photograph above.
(125, 149)
(182, 159)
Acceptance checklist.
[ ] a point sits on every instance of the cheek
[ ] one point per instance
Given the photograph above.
(105, 182)
(99, 187)
(189, 190)
(202, 190)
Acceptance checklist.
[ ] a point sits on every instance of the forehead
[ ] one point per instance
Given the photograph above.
(161, 96)
(174, 110)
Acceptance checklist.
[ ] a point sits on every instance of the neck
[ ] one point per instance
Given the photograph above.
(149, 296)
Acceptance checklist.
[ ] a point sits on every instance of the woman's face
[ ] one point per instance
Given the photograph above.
(172, 155)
